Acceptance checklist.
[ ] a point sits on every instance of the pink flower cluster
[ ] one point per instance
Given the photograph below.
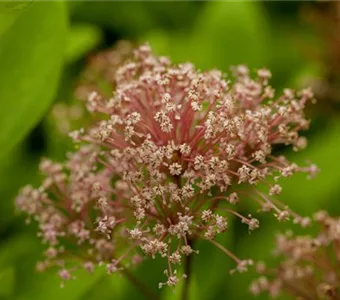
(309, 266)
(173, 153)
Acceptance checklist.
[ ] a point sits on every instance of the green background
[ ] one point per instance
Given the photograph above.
(43, 48)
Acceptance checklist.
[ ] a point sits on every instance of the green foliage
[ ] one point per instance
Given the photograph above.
(133, 19)
(224, 34)
(40, 59)
(48, 285)
(31, 57)
(7, 279)
(9, 12)
(308, 196)
(16, 248)
(130, 18)
(231, 33)
(81, 39)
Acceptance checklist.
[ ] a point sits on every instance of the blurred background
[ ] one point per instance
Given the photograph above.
(44, 46)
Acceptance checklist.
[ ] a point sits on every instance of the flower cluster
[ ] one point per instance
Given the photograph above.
(174, 152)
(309, 268)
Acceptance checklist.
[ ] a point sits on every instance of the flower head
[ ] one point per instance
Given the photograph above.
(172, 150)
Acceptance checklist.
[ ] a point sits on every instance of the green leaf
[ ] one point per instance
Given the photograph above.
(225, 34)
(153, 268)
(16, 248)
(9, 12)
(229, 33)
(82, 38)
(128, 18)
(73, 5)
(7, 278)
(108, 287)
(306, 196)
(46, 285)
(31, 56)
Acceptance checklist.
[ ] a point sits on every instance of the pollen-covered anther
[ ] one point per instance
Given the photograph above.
(233, 198)
(242, 266)
(175, 258)
(282, 215)
(253, 223)
(275, 189)
(175, 169)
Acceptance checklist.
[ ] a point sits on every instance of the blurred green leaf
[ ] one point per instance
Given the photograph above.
(133, 18)
(17, 247)
(150, 273)
(307, 74)
(81, 39)
(31, 56)
(306, 196)
(73, 5)
(46, 285)
(9, 12)
(229, 33)
(289, 55)
(183, 16)
(129, 18)
(7, 279)
(107, 288)
(224, 34)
